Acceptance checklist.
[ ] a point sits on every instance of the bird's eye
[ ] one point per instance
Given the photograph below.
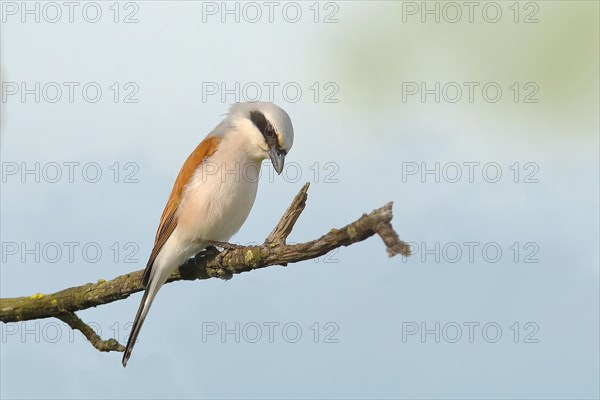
(270, 131)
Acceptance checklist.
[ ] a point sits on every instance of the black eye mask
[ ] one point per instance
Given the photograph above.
(267, 130)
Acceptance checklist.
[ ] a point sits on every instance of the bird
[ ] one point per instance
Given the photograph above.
(214, 192)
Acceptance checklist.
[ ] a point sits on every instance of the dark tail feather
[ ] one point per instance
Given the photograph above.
(137, 324)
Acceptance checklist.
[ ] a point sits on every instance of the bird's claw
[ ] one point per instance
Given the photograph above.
(209, 251)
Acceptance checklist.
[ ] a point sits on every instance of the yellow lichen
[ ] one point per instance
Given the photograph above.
(37, 296)
(101, 281)
(253, 257)
(249, 256)
(351, 232)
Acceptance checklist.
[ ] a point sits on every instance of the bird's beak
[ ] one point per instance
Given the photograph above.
(277, 158)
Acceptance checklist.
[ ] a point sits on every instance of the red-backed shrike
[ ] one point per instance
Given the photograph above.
(214, 192)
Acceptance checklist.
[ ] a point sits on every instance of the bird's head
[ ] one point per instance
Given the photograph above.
(267, 128)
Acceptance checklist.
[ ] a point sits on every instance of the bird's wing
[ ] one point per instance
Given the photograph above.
(168, 220)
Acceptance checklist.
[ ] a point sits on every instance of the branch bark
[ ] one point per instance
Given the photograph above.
(205, 265)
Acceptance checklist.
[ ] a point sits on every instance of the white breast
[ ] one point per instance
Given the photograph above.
(218, 199)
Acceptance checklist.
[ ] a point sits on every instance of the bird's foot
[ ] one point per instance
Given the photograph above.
(212, 252)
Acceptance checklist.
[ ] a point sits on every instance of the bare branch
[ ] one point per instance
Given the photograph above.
(76, 323)
(205, 265)
(289, 218)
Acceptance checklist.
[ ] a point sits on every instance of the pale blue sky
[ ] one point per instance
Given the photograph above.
(357, 153)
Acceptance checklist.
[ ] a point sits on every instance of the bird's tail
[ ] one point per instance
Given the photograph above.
(149, 295)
